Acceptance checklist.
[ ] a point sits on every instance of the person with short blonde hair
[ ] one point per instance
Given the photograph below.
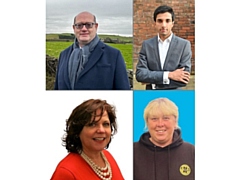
(167, 107)
(161, 152)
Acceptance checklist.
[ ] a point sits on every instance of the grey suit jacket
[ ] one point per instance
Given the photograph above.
(149, 70)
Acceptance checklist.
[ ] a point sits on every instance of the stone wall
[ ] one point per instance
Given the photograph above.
(51, 66)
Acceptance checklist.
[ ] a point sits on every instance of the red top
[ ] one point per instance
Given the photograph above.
(74, 167)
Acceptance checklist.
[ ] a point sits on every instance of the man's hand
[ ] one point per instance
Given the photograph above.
(179, 75)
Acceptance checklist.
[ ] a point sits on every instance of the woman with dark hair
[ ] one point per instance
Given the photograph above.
(88, 134)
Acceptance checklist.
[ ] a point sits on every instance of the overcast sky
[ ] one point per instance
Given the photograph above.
(113, 16)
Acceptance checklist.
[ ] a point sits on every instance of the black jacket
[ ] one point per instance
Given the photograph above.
(173, 162)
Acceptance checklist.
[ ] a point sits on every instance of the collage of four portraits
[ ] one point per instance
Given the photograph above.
(120, 112)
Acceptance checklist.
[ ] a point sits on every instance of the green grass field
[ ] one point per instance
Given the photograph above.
(54, 45)
(53, 48)
(101, 36)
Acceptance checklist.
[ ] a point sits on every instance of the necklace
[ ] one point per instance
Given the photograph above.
(105, 173)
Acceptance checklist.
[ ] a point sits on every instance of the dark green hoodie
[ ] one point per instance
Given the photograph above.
(173, 162)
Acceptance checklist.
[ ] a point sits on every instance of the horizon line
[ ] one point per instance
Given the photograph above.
(123, 35)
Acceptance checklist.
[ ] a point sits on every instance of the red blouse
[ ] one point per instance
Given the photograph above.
(74, 167)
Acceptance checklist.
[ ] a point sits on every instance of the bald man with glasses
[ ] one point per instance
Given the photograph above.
(89, 64)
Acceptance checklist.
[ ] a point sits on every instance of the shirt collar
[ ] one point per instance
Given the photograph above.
(168, 39)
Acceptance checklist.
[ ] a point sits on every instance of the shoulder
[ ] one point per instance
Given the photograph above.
(137, 147)
(179, 39)
(69, 48)
(64, 168)
(68, 159)
(187, 150)
(136, 144)
(107, 47)
(188, 146)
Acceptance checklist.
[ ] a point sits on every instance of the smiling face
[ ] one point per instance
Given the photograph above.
(85, 35)
(161, 118)
(97, 134)
(164, 25)
(161, 128)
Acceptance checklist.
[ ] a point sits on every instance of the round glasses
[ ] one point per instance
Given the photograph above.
(87, 25)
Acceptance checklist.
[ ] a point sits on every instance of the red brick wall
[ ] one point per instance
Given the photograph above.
(143, 23)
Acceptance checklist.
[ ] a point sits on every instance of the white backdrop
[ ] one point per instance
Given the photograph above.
(58, 108)
(34, 123)
(32, 120)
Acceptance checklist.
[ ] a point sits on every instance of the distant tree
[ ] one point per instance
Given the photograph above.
(62, 36)
(108, 40)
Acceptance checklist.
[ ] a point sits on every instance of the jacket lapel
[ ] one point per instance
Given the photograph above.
(66, 76)
(170, 50)
(156, 51)
(93, 59)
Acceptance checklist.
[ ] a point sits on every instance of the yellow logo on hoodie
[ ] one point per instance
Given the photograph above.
(185, 170)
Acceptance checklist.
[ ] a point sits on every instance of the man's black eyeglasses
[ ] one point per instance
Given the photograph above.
(87, 25)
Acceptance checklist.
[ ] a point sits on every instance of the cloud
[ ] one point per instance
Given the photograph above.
(114, 16)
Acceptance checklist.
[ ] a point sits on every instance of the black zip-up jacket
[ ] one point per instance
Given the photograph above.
(173, 162)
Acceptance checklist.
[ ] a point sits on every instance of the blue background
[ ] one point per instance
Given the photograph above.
(184, 99)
